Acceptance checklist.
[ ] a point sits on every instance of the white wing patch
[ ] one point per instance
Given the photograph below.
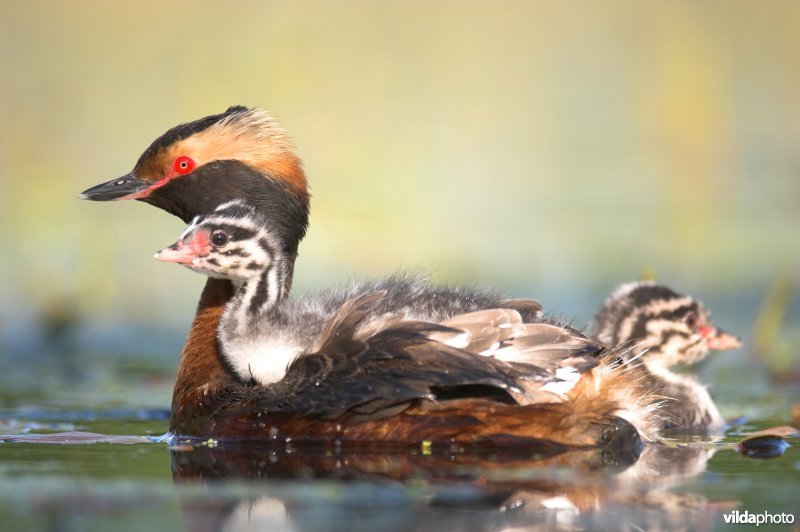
(568, 378)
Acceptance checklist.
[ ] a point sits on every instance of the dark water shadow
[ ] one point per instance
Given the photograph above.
(313, 489)
(278, 486)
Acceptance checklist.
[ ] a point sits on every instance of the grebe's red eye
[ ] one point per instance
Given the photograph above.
(183, 165)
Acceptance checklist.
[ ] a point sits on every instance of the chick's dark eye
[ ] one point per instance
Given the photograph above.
(219, 239)
(691, 320)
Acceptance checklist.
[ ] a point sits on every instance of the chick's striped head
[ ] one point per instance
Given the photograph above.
(673, 328)
(234, 242)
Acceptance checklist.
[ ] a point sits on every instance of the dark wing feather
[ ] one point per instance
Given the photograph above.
(530, 309)
(383, 373)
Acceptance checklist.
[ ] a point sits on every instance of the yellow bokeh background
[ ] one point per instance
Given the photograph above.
(539, 148)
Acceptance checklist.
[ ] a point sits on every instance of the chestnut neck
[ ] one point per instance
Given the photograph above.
(201, 369)
(202, 372)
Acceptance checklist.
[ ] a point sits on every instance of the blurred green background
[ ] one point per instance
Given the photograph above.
(549, 149)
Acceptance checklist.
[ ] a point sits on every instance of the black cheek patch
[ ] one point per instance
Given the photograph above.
(668, 334)
(203, 190)
(237, 252)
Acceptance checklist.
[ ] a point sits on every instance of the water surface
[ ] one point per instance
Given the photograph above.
(83, 419)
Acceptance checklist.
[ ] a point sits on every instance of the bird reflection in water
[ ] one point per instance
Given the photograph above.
(309, 489)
